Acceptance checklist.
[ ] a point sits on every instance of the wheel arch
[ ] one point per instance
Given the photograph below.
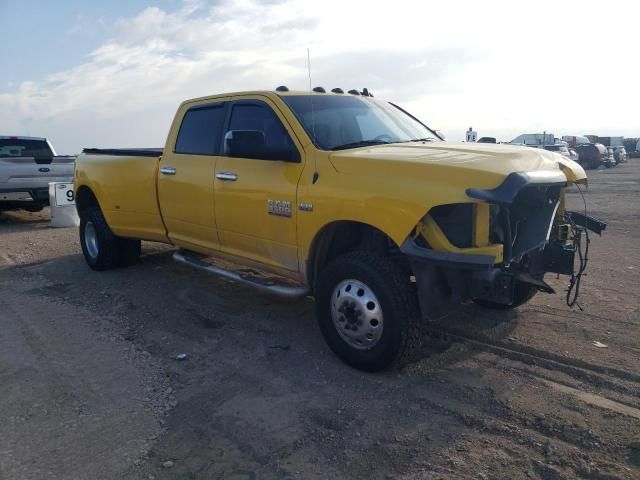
(342, 236)
(85, 199)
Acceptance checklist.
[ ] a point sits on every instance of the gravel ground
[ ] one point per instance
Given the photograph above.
(90, 386)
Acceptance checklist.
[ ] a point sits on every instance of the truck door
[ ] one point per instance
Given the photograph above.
(256, 186)
(185, 177)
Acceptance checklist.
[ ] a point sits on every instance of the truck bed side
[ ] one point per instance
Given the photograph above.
(124, 185)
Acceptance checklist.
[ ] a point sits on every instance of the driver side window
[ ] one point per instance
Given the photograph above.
(256, 132)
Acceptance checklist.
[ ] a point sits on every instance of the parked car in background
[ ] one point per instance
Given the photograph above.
(620, 154)
(27, 165)
(487, 140)
(593, 155)
(573, 155)
(630, 146)
(611, 159)
(561, 149)
(573, 140)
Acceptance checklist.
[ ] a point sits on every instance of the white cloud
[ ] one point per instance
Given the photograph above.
(503, 67)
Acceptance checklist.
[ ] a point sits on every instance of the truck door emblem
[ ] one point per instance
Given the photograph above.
(306, 207)
(281, 208)
(44, 169)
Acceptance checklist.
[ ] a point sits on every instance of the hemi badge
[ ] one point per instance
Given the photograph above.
(306, 207)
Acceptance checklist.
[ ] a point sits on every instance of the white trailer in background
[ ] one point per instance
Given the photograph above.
(611, 141)
(573, 140)
(537, 139)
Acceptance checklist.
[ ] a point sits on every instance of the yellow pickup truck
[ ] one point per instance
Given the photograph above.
(343, 197)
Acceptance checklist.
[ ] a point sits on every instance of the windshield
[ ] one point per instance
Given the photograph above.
(348, 122)
(16, 147)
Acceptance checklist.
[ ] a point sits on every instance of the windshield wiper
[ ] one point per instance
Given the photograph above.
(425, 139)
(361, 143)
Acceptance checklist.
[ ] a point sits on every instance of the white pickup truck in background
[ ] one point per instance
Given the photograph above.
(27, 165)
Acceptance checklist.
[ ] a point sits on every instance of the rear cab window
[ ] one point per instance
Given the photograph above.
(201, 130)
(17, 147)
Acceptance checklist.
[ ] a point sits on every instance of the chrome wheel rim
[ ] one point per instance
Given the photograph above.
(91, 239)
(357, 314)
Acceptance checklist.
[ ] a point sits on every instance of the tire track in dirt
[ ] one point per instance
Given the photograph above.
(531, 355)
(529, 369)
(547, 434)
(590, 373)
(557, 312)
(6, 260)
(592, 440)
(523, 429)
(596, 400)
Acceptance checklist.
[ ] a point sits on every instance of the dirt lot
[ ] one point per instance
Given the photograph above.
(90, 387)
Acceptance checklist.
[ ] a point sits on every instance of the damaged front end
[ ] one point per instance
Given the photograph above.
(497, 250)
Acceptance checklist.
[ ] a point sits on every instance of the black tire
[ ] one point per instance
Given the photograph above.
(130, 251)
(523, 293)
(400, 337)
(38, 207)
(102, 249)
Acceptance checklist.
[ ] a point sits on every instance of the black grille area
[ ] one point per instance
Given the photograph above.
(496, 227)
(456, 221)
(530, 216)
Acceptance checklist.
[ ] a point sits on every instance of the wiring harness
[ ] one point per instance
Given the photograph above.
(582, 247)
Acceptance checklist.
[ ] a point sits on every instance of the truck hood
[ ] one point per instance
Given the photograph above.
(443, 160)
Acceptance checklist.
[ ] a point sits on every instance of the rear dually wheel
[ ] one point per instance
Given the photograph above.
(102, 249)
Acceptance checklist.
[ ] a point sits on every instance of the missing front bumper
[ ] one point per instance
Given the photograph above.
(444, 280)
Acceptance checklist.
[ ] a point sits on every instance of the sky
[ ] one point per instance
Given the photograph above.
(112, 73)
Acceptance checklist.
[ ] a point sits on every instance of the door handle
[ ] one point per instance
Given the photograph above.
(167, 170)
(228, 176)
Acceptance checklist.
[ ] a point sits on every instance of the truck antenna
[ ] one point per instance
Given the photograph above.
(313, 119)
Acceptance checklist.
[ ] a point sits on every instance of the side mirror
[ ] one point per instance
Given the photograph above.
(244, 143)
(251, 144)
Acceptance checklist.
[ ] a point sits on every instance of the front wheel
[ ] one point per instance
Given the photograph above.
(365, 309)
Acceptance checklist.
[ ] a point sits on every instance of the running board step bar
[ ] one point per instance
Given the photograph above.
(264, 284)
